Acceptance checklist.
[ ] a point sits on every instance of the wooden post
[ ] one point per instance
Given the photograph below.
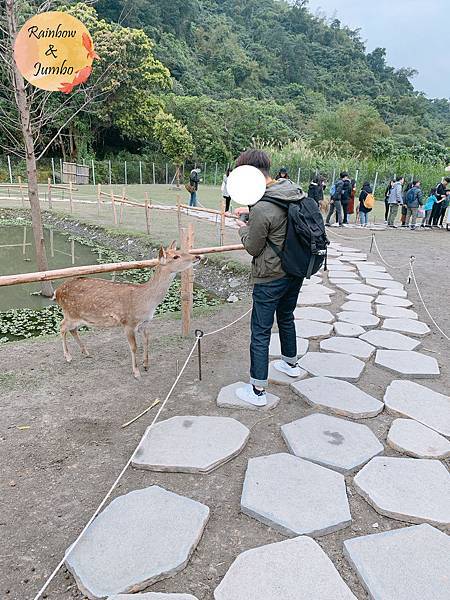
(222, 223)
(49, 193)
(187, 282)
(99, 197)
(21, 191)
(52, 247)
(147, 212)
(113, 204)
(70, 196)
(72, 249)
(24, 243)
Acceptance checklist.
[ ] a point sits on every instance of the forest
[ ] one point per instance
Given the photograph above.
(200, 80)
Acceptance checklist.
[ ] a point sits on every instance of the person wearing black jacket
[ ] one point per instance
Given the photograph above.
(316, 188)
(438, 207)
(340, 199)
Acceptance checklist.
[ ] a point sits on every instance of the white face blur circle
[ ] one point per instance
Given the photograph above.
(246, 185)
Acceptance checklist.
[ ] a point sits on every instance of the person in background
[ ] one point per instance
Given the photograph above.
(316, 189)
(363, 210)
(413, 200)
(282, 174)
(404, 205)
(194, 180)
(395, 200)
(386, 199)
(351, 202)
(428, 207)
(336, 199)
(224, 190)
(345, 198)
(441, 195)
(445, 204)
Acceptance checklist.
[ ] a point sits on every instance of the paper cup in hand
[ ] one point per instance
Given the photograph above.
(246, 185)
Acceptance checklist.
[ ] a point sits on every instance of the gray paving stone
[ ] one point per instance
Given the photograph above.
(153, 596)
(331, 442)
(317, 289)
(384, 283)
(339, 281)
(407, 363)
(333, 274)
(359, 298)
(410, 326)
(353, 346)
(313, 300)
(342, 268)
(372, 267)
(347, 329)
(396, 293)
(367, 274)
(227, 399)
(313, 279)
(340, 366)
(409, 399)
(296, 569)
(395, 312)
(390, 340)
(139, 538)
(279, 378)
(191, 444)
(358, 318)
(407, 489)
(404, 564)
(314, 314)
(358, 288)
(352, 306)
(417, 440)
(393, 301)
(292, 495)
(339, 397)
(275, 347)
(312, 330)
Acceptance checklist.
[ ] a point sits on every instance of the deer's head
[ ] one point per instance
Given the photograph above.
(175, 261)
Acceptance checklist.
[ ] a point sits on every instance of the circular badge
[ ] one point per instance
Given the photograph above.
(54, 51)
(246, 185)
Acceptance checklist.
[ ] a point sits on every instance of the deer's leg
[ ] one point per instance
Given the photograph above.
(79, 341)
(131, 337)
(145, 335)
(63, 329)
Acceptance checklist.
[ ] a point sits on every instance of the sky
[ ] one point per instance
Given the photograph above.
(414, 33)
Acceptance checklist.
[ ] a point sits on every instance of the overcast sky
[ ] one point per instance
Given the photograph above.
(415, 34)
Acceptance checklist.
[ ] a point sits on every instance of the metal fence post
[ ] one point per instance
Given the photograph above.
(167, 174)
(93, 171)
(109, 172)
(298, 176)
(215, 175)
(140, 172)
(375, 183)
(154, 178)
(53, 171)
(10, 169)
(125, 174)
(61, 170)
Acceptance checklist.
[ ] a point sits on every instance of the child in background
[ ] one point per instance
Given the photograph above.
(363, 210)
(428, 207)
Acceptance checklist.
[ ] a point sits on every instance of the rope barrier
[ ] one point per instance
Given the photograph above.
(198, 335)
(385, 262)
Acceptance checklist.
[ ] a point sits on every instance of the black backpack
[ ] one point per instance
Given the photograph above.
(305, 246)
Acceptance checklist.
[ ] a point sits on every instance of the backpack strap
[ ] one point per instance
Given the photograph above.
(281, 204)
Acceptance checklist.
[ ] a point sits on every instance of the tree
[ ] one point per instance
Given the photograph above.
(175, 140)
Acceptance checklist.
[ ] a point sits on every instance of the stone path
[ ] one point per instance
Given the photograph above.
(149, 534)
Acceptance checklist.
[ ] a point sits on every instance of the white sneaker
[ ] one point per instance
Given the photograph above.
(284, 367)
(246, 394)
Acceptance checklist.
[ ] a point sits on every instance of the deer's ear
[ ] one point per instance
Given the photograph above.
(162, 255)
(173, 245)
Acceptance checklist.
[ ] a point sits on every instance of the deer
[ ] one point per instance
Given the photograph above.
(104, 303)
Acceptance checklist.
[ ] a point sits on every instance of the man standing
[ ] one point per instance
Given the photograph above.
(341, 195)
(438, 207)
(274, 292)
(395, 200)
(194, 180)
(413, 201)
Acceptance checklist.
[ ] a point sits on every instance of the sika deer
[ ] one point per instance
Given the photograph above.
(103, 303)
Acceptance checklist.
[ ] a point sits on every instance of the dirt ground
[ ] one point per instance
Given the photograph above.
(56, 472)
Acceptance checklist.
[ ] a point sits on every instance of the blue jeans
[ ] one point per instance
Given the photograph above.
(363, 217)
(276, 297)
(193, 199)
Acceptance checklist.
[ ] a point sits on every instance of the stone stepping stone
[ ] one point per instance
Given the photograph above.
(389, 340)
(313, 279)
(372, 267)
(407, 489)
(340, 397)
(331, 442)
(332, 274)
(358, 288)
(292, 495)
(191, 444)
(343, 268)
(365, 307)
(414, 439)
(396, 293)
(393, 301)
(341, 281)
(340, 366)
(352, 258)
(359, 318)
(347, 329)
(359, 298)
(139, 538)
(411, 326)
(279, 378)
(227, 399)
(395, 312)
(407, 363)
(404, 564)
(312, 330)
(153, 596)
(375, 275)
(314, 314)
(384, 283)
(313, 300)
(317, 289)
(293, 569)
(275, 346)
(409, 399)
(353, 346)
